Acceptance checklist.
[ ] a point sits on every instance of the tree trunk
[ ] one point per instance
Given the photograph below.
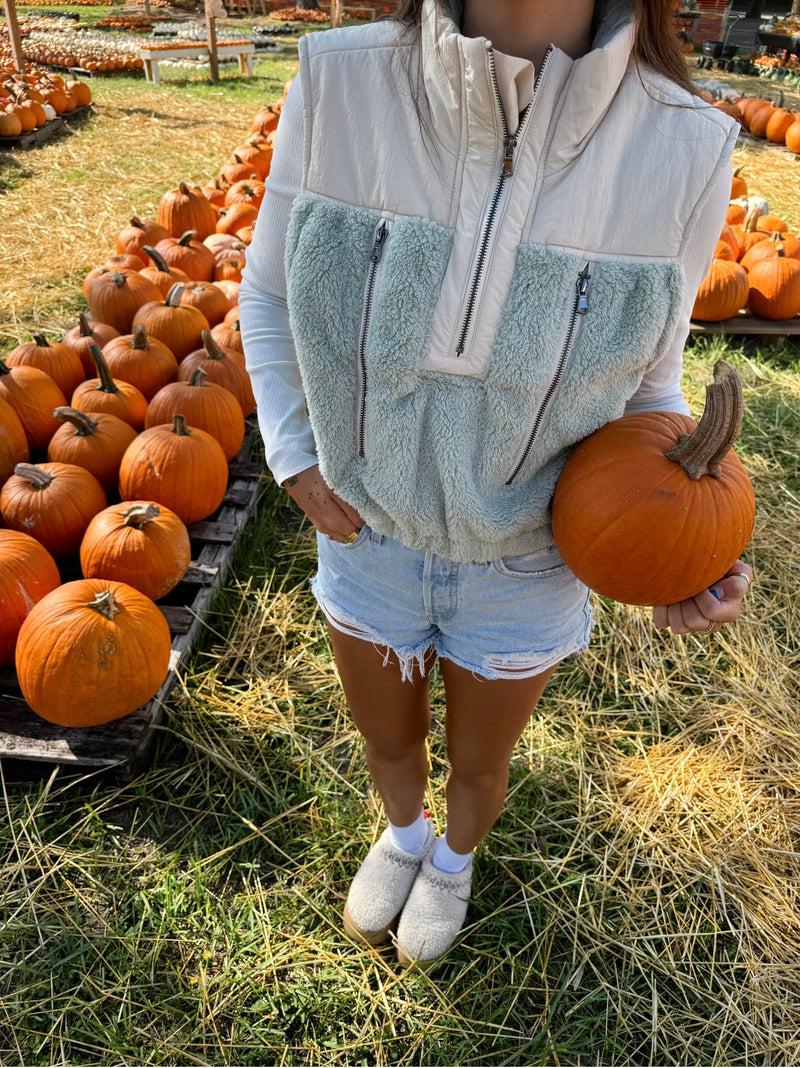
(754, 9)
(307, 5)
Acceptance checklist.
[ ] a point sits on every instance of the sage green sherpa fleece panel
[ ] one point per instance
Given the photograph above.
(439, 447)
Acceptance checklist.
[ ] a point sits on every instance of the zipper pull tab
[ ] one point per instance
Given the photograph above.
(509, 144)
(581, 289)
(380, 237)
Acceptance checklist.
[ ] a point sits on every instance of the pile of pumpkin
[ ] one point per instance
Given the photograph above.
(32, 98)
(763, 119)
(131, 420)
(756, 264)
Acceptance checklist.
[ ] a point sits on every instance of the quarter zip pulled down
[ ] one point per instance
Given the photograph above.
(510, 142)
(381, 232)
(580, 306)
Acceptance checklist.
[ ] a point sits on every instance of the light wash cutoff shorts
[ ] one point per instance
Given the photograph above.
(504, 619)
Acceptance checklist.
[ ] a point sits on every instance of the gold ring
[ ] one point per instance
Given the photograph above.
(352, 535)
(741, 574)
(712, 623)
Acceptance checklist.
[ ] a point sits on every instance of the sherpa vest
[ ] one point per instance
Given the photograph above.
(470, 292)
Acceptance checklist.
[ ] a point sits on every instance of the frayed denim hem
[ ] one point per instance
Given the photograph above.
(407, 657)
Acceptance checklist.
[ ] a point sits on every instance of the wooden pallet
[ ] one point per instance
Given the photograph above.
(42, 134)
(31, 138)
(124, 743)
(776, 329)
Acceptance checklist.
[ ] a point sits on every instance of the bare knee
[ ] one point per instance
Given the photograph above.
(393, 750)
(480, 780)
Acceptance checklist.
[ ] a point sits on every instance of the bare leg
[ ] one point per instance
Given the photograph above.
(394, 718)
(485, 719)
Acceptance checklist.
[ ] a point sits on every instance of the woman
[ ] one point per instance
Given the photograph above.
(487, 252)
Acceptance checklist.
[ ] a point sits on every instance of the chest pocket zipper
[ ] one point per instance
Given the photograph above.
(580, 306)
(381, 233)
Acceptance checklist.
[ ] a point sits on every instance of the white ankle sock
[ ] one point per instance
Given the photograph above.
(446, 859)
(413, 837)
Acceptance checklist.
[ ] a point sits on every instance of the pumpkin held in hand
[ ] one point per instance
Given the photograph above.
(91, 651)
(653, 508)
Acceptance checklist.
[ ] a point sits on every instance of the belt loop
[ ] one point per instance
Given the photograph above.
(376, 537)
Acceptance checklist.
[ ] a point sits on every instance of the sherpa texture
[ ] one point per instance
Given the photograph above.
(440, 447)
(434, 912)
(380, 888)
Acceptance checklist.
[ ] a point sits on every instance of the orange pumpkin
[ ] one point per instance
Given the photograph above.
(178, 466)
(138, 542)
(652, 509)
(178, 325)
(104, 394)
(96, 442)
(92, 651)
(13, 443)
(182, 208)
(775, 287)
(722, 292)
(145, 362)
(206, 406)
(27, 573)
(33, 395)
(54, 358)
(87, 333)
(53, 502)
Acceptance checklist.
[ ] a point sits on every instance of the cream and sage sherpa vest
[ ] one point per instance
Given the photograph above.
(470, 292)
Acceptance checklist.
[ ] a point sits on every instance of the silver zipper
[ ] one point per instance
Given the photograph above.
(580, 306)
(507, 169)
(381, 232)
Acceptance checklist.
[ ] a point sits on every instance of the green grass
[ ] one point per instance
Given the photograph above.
(637, 901)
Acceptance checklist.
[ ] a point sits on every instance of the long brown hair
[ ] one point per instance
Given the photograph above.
(655, 42)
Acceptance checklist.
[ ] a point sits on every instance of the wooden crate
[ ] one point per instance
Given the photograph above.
(125, 742)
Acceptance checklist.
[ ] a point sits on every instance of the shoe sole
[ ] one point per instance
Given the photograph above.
(372, 938)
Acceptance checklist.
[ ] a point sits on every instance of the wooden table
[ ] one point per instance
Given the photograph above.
(151, 57)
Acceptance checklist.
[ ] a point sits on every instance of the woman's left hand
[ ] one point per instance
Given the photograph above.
(708, 611)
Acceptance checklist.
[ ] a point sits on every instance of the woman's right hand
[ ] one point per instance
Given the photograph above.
(329, 513)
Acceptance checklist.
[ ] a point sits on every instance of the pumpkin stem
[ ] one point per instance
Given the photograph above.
(38, 478)
(137, 222)
(139, 337)
(41, 341)
(106, 604)
(173, 297)
(198, 378)
(157, 258)
(213, 350)
(4, 368)
(107, 383)
(701, 452)
(84, 425)
(85, 327)
(187, 237)
(138, 515)
(179, 426)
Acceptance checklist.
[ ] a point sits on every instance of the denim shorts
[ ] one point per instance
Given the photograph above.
(504, 619)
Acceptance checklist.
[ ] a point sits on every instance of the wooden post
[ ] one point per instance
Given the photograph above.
(336, 13)
(211, 24)
(14, 35)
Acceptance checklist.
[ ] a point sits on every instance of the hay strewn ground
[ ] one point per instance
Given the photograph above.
(638, 899)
